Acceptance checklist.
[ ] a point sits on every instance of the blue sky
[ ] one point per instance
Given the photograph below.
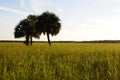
(81, 19)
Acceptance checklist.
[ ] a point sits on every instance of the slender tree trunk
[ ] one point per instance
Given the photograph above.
(27, 40)
(31, 39)
(48, 39)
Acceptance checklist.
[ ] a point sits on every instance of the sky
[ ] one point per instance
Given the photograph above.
(82, 20)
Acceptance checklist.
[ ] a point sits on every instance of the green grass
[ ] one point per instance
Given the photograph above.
(68, 61)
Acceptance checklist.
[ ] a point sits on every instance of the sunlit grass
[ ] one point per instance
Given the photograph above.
(61, 61)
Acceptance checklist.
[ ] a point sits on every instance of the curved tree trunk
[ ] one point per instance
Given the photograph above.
(48, 39)
(31, 39)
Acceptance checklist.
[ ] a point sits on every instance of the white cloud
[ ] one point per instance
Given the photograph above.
(13, 10)
(60, 10)
(116, 10)
(22, 2)
(38, 4)
(106, 1)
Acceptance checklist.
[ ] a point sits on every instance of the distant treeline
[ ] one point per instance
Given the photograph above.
(98, 41)
(102, 41)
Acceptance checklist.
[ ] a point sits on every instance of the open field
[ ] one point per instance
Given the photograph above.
(71, 61)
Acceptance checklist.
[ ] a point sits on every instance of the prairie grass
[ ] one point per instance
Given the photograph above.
(61, 61)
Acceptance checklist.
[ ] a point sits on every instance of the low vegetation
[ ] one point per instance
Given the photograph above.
(72, 61)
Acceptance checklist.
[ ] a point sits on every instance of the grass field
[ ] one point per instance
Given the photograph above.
(70, 61)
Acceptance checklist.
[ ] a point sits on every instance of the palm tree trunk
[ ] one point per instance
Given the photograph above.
(48, 39)
(27, 40)
(31, 39)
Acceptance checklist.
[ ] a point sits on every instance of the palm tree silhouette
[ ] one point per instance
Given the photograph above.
(48, 23)
(26, 28)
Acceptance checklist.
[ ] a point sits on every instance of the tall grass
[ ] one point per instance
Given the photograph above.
(59, 62)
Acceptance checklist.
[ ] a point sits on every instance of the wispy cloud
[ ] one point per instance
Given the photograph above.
(13, 10)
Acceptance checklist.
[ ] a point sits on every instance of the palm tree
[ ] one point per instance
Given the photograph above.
(26, 28)
(48, 23)
(31, 21)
